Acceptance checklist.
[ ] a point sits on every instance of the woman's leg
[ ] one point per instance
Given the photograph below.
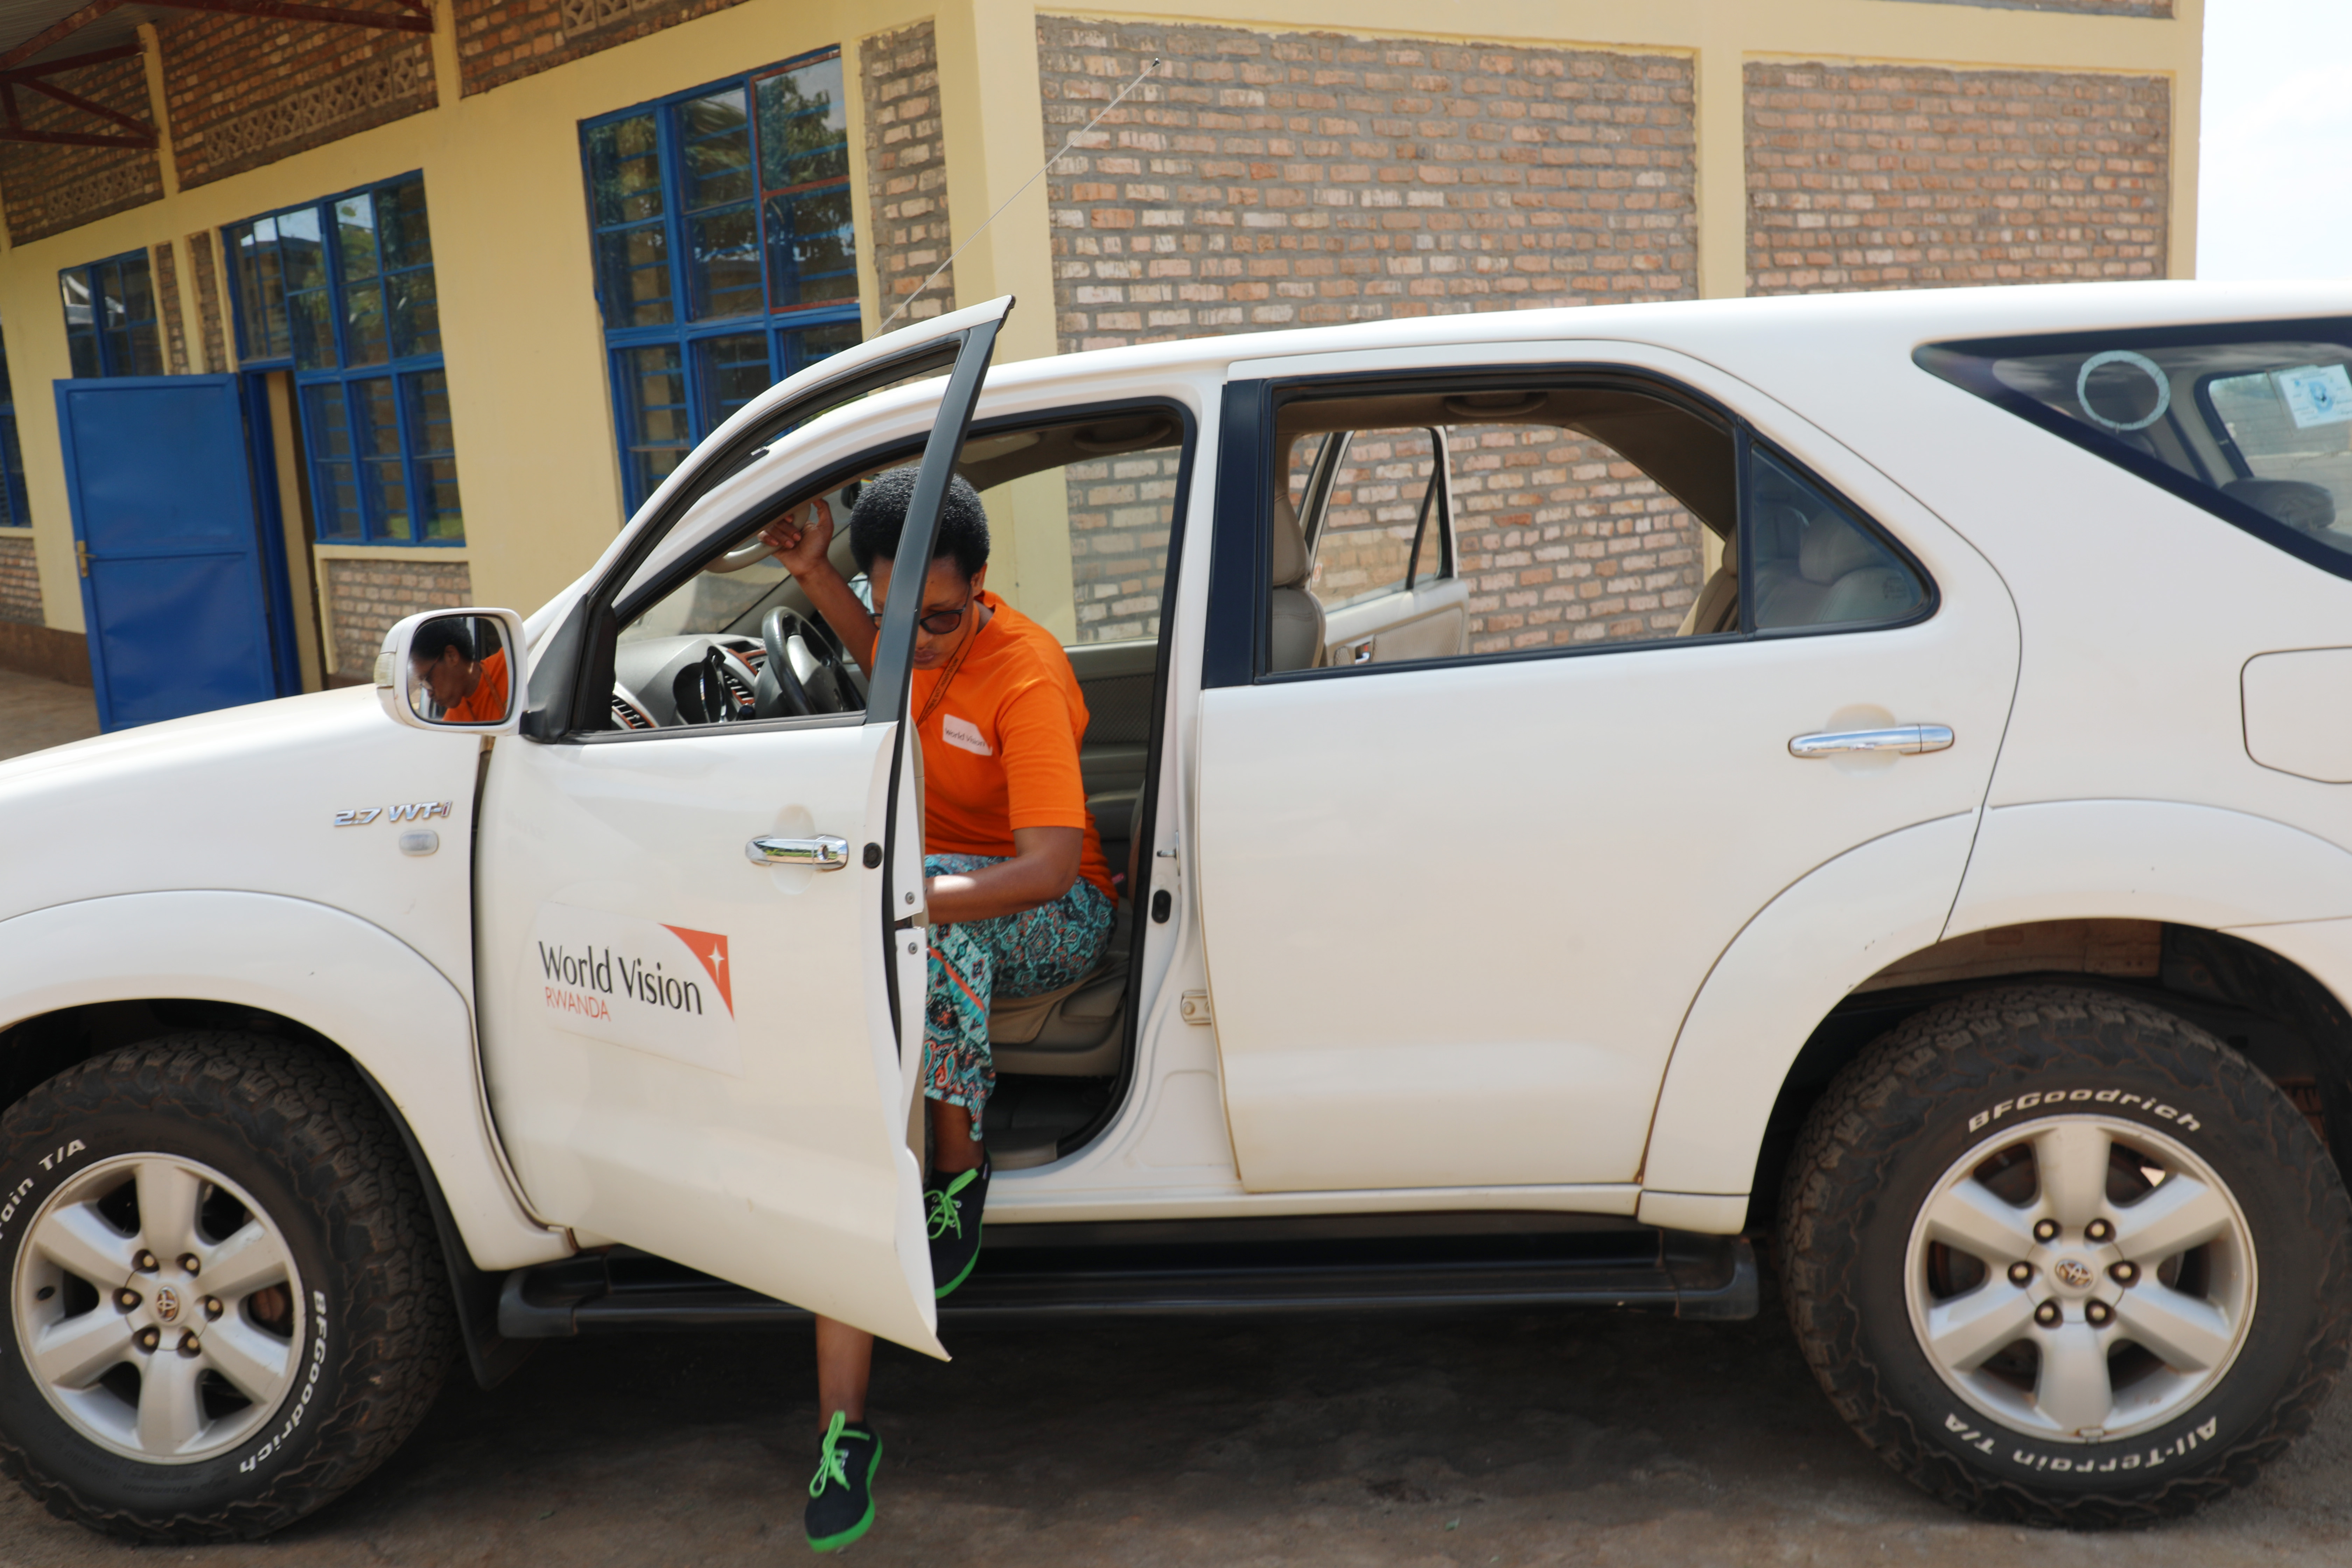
(845, 1363)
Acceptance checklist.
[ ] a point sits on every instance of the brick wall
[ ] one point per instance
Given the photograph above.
(166, 272)
(500, 41)
(365, 597)
(1906, 177)
(49, 189)
(20, 584)
(1281, 179)
(204, 269)
(906, 170)
(243, 91)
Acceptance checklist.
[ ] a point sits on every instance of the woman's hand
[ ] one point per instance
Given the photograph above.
(1044, 867)
(801, 537)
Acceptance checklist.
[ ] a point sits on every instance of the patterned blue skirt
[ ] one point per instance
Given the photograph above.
(1025, 954)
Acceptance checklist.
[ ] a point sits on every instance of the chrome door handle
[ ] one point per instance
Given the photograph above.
(1903, 740)
(822, 853)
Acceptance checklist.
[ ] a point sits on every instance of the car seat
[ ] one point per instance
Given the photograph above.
(1293, 616)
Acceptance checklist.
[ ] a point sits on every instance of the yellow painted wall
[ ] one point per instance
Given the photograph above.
(528, 384)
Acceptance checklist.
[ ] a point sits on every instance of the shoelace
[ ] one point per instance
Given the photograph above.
(947, 1214)
(832, 1464)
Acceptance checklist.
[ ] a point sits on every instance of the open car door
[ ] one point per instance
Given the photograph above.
(699, 1044)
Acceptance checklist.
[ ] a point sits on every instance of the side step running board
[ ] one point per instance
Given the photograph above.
(1700, 1277)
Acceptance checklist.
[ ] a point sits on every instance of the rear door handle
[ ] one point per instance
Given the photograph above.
(1903, 740)
(822, 853)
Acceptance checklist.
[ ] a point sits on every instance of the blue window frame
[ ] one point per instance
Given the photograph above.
(14, 513)
(340, 292)
(110, 317)
(725, 255)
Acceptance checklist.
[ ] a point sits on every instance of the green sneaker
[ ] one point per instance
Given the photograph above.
(841, 1493)
(954, 1211)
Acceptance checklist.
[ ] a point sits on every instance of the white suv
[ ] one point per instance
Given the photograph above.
(1595, 787)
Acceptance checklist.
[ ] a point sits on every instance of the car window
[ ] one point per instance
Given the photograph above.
(1112, 493)
(1579, 516)
(1372, 531)
(2253, 422)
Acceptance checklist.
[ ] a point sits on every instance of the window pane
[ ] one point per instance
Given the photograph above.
(356, 235)
(81, 332)
(634, 264)
(812, 251)
(625, 170)
(1814, 565)
(12, 467)
(2248, 419)
(406, 237)
(313, 329)
(263, 329)
(415, 313)
(434, 451)
(334, 497)
(810, 344)
(130, 299)
(733, 370)
(383, 474)
(1383, 487)
(363, 323)
(803, 127)
(715, 145)
(1119, 505)
(723, 263)
(654, 417)
(303, 250)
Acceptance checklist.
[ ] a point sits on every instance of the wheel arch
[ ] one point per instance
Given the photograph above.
(112, 972)
(2237, 918)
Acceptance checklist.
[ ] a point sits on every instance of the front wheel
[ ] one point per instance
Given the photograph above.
(225, 1301)
(2062, 1257)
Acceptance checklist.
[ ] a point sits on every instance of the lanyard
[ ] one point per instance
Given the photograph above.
(947, 675)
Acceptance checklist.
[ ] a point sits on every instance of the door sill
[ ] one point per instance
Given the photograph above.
(1699, 1277)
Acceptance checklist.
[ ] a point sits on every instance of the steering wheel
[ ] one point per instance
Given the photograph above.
(788, 685)
(701, 692)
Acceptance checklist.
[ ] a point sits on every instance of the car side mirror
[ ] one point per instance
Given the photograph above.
(455, 669)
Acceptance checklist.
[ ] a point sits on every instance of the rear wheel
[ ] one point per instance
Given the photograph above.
(226, 1302)
(2064, 1257)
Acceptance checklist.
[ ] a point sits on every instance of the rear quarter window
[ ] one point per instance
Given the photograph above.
(2251, 422)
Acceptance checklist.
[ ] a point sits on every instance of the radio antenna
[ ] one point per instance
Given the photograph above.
(1067, 142)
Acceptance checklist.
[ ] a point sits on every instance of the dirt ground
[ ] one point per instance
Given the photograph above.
(1472, 1439)
(1564, 1438)
(35, 713)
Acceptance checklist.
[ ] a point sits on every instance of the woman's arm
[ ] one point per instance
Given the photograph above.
(1044, 867)
(799, 539)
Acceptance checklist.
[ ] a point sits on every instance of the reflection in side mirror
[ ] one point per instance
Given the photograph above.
(454, 669)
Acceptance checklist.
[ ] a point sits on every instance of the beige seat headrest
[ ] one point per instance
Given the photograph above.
(1290, 564)
(1834, 547)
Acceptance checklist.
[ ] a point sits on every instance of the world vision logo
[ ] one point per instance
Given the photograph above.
(666, 989)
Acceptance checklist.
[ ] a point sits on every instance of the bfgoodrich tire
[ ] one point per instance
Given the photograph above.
(224, 1304)
(2062, 1257)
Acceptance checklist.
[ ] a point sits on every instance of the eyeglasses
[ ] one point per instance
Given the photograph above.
(939, 623)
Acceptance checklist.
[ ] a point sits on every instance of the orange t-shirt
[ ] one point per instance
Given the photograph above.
(1001, 749)
(487, 703)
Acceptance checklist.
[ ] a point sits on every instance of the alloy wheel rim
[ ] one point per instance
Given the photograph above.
(158, 1309)
(2081, 1278)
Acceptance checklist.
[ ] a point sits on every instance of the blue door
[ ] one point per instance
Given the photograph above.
(177, 571)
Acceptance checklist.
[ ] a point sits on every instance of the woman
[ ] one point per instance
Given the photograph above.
(1019, 897)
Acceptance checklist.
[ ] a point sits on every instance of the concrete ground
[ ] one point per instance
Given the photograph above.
(1563, 1437)
(35, 713)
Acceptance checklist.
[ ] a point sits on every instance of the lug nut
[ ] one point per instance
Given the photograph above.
(127, 1299)
(2020, 1273)
(2099, 1313)
(149, 1338)
(2045, 1230)
(2125, 1273)
(211, 1306)
(2099, 1230)
(189, 1345)
(144, 1262)
(190, 1263)
(2048, 1315)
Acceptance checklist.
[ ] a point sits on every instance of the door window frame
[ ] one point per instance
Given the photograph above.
(1235, 650)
